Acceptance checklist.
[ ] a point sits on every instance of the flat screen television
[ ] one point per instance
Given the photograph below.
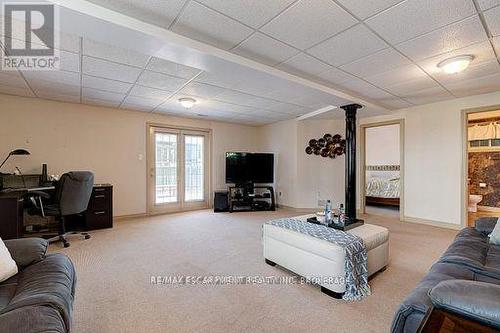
(249, 167)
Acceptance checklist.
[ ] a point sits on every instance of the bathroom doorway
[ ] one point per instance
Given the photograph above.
(382, 168)
(483, 164)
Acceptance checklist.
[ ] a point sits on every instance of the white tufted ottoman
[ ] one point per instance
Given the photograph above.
(312, 257)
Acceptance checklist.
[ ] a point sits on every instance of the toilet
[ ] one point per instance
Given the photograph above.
(474, 199)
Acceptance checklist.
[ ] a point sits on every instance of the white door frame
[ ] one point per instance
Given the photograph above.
(362, 173)
(150, 156)
(465, 159)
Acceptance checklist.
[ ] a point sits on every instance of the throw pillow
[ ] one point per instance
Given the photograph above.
(495, 234)
(8, 266)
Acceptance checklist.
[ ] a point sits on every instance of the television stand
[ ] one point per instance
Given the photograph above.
(250, 197)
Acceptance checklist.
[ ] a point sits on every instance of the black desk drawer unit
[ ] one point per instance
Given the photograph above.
(99, 214)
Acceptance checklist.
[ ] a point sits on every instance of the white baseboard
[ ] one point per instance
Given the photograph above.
(432, 223)
(130, 216)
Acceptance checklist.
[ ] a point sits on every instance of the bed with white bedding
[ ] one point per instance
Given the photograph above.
(383, 185)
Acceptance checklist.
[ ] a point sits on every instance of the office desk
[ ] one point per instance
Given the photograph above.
(99, 213)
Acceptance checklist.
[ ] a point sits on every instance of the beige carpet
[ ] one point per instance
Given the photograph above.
(114, 267)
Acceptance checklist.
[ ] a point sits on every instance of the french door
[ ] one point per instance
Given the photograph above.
(178, 164)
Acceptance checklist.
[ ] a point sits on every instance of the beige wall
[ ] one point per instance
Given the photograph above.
(281, 139)
(433, 159)
(106, 141)
(382, 145)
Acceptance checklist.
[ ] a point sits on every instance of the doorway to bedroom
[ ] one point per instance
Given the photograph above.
(381, 168)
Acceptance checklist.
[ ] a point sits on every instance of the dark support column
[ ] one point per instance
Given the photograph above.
(350, 162)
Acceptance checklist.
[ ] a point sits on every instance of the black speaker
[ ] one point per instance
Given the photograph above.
(221, 201)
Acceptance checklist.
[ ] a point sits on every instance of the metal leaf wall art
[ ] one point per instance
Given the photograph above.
(327, 146)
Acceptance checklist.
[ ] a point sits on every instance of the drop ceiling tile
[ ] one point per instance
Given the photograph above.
(407, 87)
(113, 53)
(208, 26)
(304, 65)
(476, 86)
(492, 17)
(283, 107)
(243, 99)
(89, 93)
(376, 63)
(398, 75)
(69, 61)
(251, 12)
(412, 18)
(105, 84)
(13, 79)
(100, 102)
(430, 95)
(487, 4)
(333, 76)
(150, 93)
(140, 103)
(348, 46)
(17, 91)
(172, 68)
(309, 22)
(364, 89)
(364, 9)
(482, 52)
(54, 88)
(56, 76)
(265, 50)
(59, 97)
(392, 103)
(110, 70)
(158, 12)
(160, 81)
(449, 38)
(202, 89)
(220, 78)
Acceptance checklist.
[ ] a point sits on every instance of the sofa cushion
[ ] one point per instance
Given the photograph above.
(32, 319)
(470, 248)
(26, 251)
(472, 299)
(485, 225)
(47, 283)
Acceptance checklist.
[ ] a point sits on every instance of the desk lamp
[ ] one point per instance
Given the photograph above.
(15, 152)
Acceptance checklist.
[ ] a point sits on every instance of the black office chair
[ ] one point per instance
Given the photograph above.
(71, 197)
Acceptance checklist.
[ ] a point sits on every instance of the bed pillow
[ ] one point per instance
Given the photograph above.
(495, 234)
(8, 266)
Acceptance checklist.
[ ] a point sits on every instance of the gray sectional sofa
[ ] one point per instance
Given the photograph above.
(40, 297)
(468, 274)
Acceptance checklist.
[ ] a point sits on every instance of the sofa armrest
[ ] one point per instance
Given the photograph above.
(26, 251)
(485, 225)
(472, 299)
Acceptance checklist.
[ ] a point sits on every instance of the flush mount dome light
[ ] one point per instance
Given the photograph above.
(187, 102)
(455, 64)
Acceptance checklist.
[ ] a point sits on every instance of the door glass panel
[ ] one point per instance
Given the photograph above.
(166, 168)
(194, 167)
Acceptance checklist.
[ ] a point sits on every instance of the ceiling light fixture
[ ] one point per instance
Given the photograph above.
(187, 102)
(455, 64)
